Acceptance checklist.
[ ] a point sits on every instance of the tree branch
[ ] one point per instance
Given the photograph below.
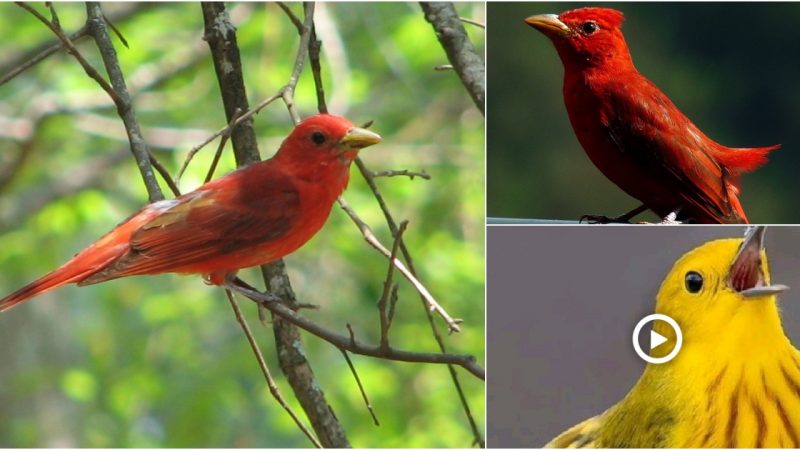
(221, 37)
(460, 51)
(278, 306)
(96, 24)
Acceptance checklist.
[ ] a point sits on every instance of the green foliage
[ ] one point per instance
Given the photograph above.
(738, 84)
(160, 361)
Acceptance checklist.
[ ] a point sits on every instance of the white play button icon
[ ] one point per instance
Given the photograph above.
(657, 339)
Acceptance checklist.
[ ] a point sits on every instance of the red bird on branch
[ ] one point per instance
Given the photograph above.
(634, 134)
(252, 216)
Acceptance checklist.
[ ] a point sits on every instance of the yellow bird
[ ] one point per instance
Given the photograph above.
(735, 382)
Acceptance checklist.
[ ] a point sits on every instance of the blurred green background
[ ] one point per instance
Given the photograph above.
(730, 67)
(160, 361)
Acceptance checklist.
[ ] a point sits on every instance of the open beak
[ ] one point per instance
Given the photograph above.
(747, 274)
(358, 138)
(549, 24)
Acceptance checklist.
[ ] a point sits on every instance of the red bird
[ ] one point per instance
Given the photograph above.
(252, 216)
(634, 134)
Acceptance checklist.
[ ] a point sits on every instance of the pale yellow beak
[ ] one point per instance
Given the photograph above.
(358, 138)
(548, 24)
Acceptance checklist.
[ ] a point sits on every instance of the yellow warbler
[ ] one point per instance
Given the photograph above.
(735, 382)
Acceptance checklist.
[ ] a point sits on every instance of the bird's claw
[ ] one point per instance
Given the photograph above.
(596, 219)
(671, 219)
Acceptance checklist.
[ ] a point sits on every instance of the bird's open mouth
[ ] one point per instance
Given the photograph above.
(747, 275)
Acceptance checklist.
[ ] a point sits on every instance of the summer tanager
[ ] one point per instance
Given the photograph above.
(252, 216)
(633, 133)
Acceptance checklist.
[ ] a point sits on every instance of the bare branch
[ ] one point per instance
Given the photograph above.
(56, 29)
(386, 318)
(349, 343)
(472, 22)
(273, 388)
(401, 173)
(221, 146)
(287, 92)
(292, 16)
(361, 389)
(164, 173)
(314, 47)
(367, 174)
(36, 59)
(370, 237)
(97, 28)
(460, 51)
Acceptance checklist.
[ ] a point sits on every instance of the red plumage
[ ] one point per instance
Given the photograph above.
(633, 133)
(252, 216)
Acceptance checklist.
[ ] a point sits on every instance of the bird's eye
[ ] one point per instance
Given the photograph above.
(694, 282)
(589, 27)
(318, 137)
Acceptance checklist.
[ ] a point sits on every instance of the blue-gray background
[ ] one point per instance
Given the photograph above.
(731, 68)
(562, 304)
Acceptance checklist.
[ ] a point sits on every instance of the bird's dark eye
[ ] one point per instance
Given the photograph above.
(318, 137)
(694, 282)
(589, 27)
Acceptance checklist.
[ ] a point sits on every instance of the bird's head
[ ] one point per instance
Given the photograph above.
(722, 291)
(585, 37)
(325, 139)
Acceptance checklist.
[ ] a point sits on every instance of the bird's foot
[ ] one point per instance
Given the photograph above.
(238, 285)
(671, 219)
(624, 218)
(235, 284)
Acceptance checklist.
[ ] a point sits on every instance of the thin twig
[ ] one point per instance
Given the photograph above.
(56, 29)
(292, 16)
(221, 145)
(273, 387)
(116, 31)
(367, 174)
(164, 173)
(472, 22)
(97, 28)
(361, 388)
(314, 47)
(76, 36)
(402, 173)
(370, 237)
(287, 92)
(386, 321)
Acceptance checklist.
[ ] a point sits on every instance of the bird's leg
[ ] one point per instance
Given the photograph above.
(625, 218)
(236, 284)
(240, 286)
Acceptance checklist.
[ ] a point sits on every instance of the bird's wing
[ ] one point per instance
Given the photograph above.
(667, 146)
(582, 435)
(213, 221)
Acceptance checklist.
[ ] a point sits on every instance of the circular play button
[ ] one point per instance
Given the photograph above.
(657, 339)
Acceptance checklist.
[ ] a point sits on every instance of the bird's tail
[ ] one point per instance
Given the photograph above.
(61, 276)
(740, 160)
(83, 265)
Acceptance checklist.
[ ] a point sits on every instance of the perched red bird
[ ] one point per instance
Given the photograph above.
(252, 216)
(633, 133)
